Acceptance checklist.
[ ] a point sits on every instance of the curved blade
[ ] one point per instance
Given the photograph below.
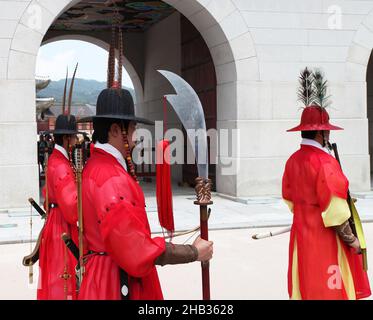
(189, 109)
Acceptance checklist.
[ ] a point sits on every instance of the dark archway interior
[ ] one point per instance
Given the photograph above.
(198, 70)
(95, 18)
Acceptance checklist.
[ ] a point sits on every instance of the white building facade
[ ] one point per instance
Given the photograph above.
(258, 48)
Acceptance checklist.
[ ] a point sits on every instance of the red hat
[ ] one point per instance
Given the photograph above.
(314, 118)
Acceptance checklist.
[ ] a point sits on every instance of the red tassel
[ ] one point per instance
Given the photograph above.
(163, 187)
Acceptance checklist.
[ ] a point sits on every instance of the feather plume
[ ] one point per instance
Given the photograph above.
(64, 92)
(111, 61)
(71, 92)
(321, 88)
(306, 93)
(120, 60)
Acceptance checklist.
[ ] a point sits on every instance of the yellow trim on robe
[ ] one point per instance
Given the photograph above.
(346, 274)
(295, 295)
(344, 267)
(337, 213)
(290, 205)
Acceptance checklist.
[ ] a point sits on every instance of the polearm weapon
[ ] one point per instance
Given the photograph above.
(46, 184)
(355, 221)
(79, 169)
(189, 109)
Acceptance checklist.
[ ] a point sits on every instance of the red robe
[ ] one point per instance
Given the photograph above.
(311, 179)
(54, 256)
(115, 223)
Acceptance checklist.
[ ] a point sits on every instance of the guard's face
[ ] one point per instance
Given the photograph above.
(132, 134)
(323, 135)
(72, 140)
(327, 135)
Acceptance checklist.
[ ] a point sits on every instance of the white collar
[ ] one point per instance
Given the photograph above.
(62, 150)
(313, 143)
(113, 151)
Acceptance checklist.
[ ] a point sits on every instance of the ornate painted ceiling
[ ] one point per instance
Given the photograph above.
(89, 15)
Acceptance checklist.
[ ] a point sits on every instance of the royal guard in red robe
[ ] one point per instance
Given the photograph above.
(121, 258)
(57, 279)
(121, 254)
(324, 259)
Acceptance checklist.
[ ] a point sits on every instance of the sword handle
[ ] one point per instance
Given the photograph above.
(37, 207)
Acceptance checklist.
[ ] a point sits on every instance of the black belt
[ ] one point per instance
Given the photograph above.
(123, 275)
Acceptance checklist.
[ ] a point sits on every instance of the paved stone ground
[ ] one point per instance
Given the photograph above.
(241, 269)
(226, 214)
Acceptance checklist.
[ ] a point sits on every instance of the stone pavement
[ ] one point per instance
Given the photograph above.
(227, 213)
(242, 269)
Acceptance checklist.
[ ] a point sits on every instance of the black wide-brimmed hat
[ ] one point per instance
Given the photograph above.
(118, 104)
(65, 124)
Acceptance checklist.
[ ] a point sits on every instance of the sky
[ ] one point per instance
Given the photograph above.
(53, 58)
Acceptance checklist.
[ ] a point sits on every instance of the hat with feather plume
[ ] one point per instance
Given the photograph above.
(312, 93)
(114, 102)
(65, 122)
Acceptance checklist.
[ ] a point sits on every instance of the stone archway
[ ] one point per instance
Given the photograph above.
(359, 71)
(139, 91)
(220, 24)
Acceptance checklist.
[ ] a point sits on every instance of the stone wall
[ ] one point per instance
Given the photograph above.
(258, 47)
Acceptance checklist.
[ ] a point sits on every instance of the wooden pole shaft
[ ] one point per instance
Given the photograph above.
(205, 265)
(81, 231)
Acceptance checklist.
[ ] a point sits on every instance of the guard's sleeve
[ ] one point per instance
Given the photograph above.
(286, 189)
(331, 188)
(125, 232)
(66, 193)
